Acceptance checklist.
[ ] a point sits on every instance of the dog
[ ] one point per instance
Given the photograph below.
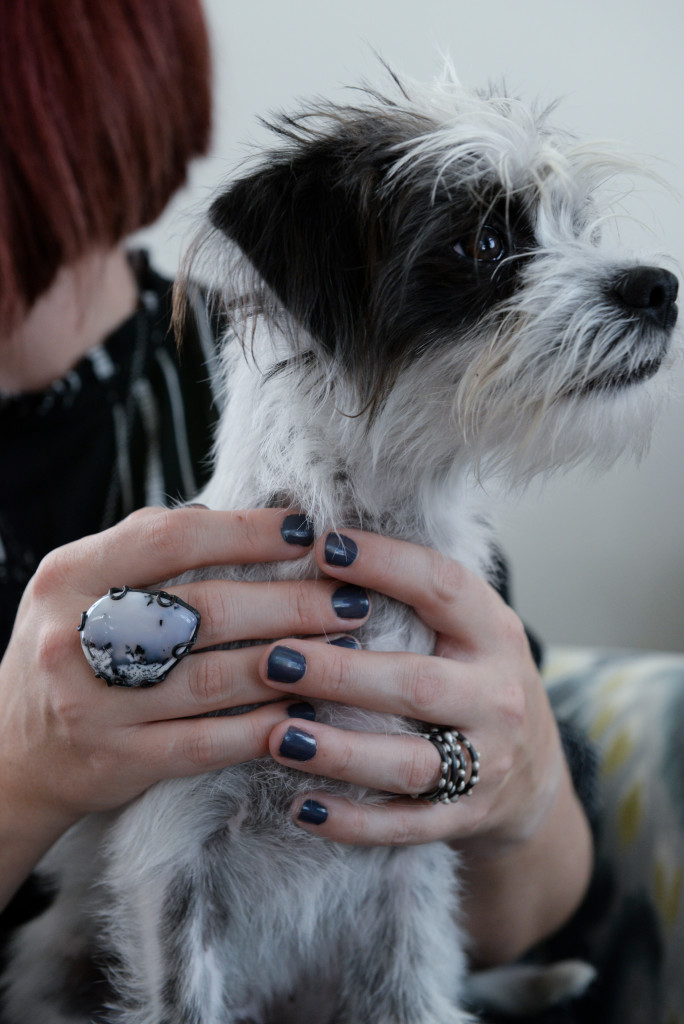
(417, 301)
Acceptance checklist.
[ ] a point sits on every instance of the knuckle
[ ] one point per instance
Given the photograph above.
(303, 609)
(98, 764)
(512, 705)
(201, 749)
(388, 561)
(514, 630)
(206, 680)
(344, 758)
(419, 771)
(65, 712)
(250, 530)
(447, 579)
(355, 822)
(403, 831)
(52, 574)
(334, 674)
(140, 516)
(66, 717)
(165, 532)
(477, 821)
(52, 648)
(500, 770)
(426, 690)
(218, 611)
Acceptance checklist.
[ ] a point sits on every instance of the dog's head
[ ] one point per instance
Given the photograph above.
(442, 249)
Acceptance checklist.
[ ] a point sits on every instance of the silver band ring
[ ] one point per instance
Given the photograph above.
(135, 637)
(460, 769)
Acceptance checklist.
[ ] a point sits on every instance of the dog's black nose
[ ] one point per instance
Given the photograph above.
(650, 291)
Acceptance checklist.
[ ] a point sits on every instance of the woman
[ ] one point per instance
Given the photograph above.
(108, 104)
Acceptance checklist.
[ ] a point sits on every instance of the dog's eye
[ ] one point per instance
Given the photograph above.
(484, 245)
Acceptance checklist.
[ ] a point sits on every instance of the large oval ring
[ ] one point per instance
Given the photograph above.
(460, 768)
(135, 637)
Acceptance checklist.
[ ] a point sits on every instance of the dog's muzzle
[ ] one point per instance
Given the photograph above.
(650, 293)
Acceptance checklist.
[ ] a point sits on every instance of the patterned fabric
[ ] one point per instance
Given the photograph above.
(631, 925)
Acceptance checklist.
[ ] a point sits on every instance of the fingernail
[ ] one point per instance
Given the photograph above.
(297, 529)
(340, 550)
(346, 641)
(297, 745)
(285, 665)
(194, 504)
(313, 813)
(350, 602)
(302, 709)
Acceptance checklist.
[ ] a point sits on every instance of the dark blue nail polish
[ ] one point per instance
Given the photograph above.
(297, 745)
(313, 813)
(297, 529)
(346, 641)
(350, 602)
(285, 665)
(302, 709)
(340, 550)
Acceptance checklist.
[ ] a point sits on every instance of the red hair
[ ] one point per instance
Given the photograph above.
(104, 102)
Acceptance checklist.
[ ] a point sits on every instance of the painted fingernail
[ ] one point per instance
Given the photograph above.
(297, 745)
(340, 550)
(285, 665)
(298, 529)
(350, 602)
(302, 709)
(313, 813)
(346, 641)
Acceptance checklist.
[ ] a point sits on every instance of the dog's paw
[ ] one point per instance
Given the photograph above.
(525, 989)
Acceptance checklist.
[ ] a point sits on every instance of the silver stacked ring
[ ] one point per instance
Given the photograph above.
(460, 769)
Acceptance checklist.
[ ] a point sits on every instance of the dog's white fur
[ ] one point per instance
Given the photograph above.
(209, 905)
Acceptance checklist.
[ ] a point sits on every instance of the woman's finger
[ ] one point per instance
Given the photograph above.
(399, 822)
(198, 685)
(155, 544)
(446, 596)
(192, 746)
(233, 611)
(406, 765)
(413, 685)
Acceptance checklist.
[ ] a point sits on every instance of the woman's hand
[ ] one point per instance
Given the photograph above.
(69, 744)
(522, 832)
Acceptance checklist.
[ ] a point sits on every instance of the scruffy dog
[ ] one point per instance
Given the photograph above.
(417, 301)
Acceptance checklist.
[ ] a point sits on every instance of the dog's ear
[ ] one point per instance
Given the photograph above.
(303, 222)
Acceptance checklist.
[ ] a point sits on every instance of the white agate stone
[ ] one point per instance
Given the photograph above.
(134, 637)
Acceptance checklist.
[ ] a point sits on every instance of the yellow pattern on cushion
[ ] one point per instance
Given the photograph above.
(630, 814)
(618, 752)
(668, 891)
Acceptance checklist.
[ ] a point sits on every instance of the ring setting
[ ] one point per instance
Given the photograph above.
(460, 768)
(135, 637)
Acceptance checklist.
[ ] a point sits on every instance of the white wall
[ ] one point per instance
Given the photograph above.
(596, 561)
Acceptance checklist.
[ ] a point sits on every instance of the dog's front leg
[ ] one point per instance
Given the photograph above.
(167, 968)
(404, 962)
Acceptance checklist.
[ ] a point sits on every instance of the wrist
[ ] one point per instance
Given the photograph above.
(28, 828)
(525, 891)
